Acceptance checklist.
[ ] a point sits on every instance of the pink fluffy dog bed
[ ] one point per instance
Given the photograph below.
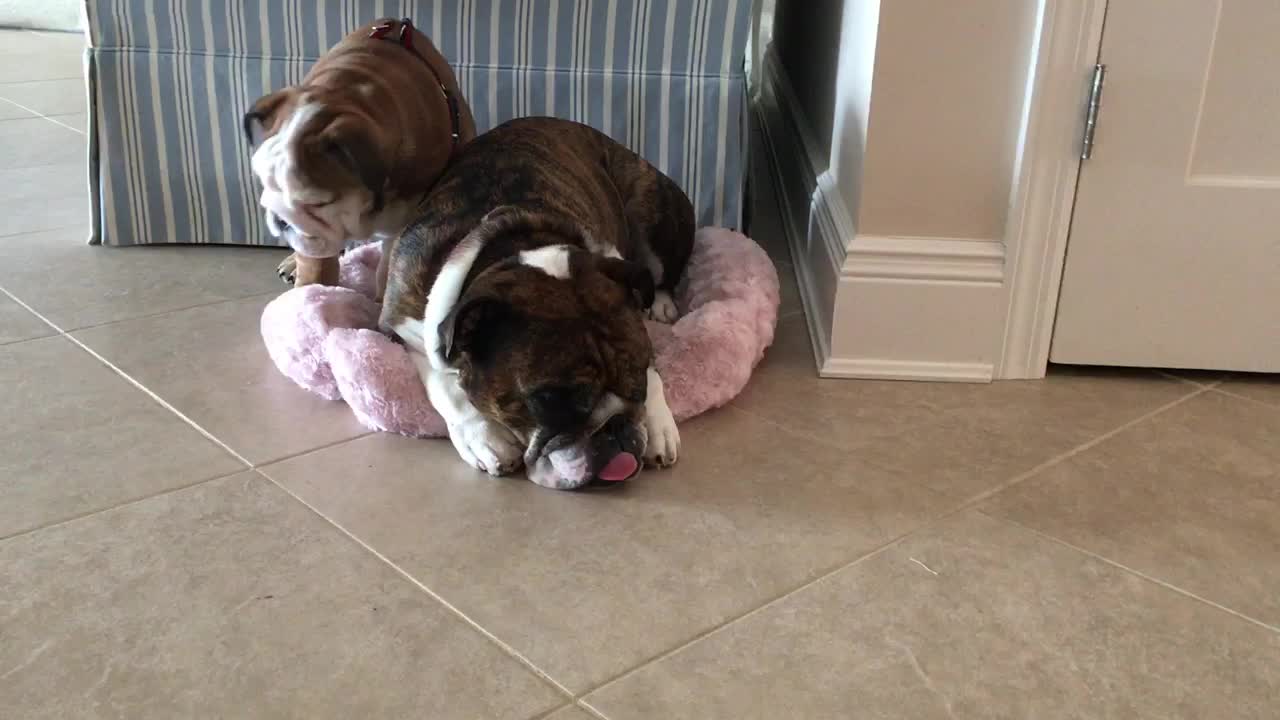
(325, 338)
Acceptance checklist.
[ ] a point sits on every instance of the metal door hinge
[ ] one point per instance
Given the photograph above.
(1091, 113)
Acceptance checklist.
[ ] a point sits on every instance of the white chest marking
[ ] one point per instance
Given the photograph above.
(410, 331)
(551, 259)
(444, 294)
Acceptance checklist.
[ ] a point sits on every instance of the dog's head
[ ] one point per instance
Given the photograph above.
(551, 343)
(347, 153)
(323, 161)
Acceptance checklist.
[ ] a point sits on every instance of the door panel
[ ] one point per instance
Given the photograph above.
(1174, 254)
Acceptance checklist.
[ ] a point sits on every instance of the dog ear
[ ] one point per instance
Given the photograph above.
(350, 145)
(260, 116)
(633, 277)
(474, 327)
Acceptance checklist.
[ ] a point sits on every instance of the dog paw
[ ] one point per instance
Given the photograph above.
(288, 269)
(663, 448)
(663, 309)
(488, 447)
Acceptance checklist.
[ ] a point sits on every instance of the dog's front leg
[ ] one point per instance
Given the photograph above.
(663, 445)
(316, 271)
(481, 443)
(288, 268)
(384, 266)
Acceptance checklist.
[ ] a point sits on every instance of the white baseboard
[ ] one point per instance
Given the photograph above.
(870, 369)
(797, 162)
(818, 271)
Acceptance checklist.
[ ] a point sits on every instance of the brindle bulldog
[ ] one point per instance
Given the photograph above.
(346, 156)
(521, 293)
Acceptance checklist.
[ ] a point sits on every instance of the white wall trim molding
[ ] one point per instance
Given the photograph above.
(835, 267)
(961, 260)
(829, 226)
(843, 223)
(1043, 193)
(797, 163)
(940, 308)
(784, 100)
(817, 320)
(869, 368)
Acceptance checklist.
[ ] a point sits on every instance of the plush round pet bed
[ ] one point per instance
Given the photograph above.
(325, 338)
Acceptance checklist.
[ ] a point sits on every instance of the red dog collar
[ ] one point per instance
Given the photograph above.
(404, 38)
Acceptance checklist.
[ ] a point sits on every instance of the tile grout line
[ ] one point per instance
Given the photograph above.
(499, 642)
(1236, 396)
(590, 709)
(7, 343)
(55, 121)
(34, 113)
(1083, 447)
(60, 333)
(986, 494)
(726, 624)
(42, 116)
(969, 504)
(1174, 376)
(123, 504)
(162, 313)
(80, 76)
(130, 379)
(38, 117)
(20, 107)
(308, 451)
(37, 231)
(549, 713)
(1132, 571)
(106, 323)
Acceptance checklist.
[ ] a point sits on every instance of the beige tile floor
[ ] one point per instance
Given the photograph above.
(185, 534)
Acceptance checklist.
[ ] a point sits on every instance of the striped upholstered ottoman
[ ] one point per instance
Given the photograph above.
(169, 82)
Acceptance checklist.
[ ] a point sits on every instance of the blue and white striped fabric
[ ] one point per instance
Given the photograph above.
(169, 82)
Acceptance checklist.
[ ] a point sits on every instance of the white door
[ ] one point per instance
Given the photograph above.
(1174, 253)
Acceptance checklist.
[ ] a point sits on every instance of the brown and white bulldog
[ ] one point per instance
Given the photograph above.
(347, 155)
(521, 293)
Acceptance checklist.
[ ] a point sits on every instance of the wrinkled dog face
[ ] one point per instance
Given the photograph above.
(320, 166)
(552, 345)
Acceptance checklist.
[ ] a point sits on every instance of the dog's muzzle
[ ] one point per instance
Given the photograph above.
(611, 454)
(301, 227)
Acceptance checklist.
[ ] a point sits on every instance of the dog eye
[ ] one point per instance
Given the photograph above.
(584, 398)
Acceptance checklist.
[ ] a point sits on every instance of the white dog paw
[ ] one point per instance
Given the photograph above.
(663, 447)
(664, 308)
(487, 446)
(288, 269)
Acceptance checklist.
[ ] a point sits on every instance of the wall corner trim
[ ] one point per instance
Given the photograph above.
(961, 260)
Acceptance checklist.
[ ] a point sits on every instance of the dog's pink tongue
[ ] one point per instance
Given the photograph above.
(621, 467)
